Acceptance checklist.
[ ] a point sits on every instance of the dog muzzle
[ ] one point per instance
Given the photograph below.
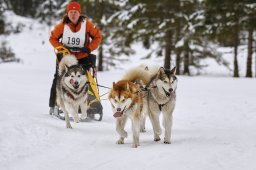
(75, 84)
(168, 94)
(119, 113)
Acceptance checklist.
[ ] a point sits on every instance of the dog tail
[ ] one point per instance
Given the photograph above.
(67, 61)
(137, 74)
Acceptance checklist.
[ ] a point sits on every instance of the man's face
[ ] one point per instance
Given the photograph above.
(73, 15)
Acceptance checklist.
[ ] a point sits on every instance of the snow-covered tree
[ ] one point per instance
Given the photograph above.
(165, 23)
(100, 11)
(3, 7)
(227, 21)
(249, 23)
(47, 11)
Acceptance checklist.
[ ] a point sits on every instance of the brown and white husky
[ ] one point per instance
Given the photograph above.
(126, 103)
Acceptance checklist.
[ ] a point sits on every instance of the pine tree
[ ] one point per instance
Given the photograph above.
(2, 9)
(142, 22)
(169, 24)
(224, 21)
(249, 22)
(47, 12)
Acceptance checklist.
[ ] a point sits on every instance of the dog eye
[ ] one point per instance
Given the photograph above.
(78, 76)
(165, 81)
(123, 100)
(72, 76)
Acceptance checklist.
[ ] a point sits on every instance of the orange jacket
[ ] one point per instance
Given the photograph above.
(91, 32)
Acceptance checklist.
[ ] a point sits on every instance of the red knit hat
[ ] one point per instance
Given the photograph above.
(73, 6)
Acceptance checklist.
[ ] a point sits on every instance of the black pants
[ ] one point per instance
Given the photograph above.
(87, 63)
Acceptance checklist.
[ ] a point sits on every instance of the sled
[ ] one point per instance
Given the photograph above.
(60, 115)
(95, 110)
(95, 106)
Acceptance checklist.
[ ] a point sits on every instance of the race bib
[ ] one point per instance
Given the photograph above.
(74, 39)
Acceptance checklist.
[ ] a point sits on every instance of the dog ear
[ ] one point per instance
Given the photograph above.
(81, 66)
(160, 72)
(66, 68)
(127, 87)
(114, 84)
(173, 71)
(82, 69)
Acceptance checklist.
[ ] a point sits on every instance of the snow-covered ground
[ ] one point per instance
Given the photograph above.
(213, 128)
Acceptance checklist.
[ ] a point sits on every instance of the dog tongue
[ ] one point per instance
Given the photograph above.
(71, 81)
(117, 114)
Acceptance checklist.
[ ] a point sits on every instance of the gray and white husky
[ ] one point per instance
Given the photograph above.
(160, 96)
(72, 87)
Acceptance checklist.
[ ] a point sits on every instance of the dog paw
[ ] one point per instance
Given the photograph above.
(157, 139)
(167, 141)
(68, 126)
(135, 145)
(120, 141)
(83, 116)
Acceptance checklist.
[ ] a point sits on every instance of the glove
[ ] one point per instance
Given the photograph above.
(86, 50)
(62, 50)
(77, 50)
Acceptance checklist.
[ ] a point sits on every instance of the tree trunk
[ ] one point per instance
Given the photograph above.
(236, 70)
(168, 43)
(178, 50)
(100, 63)
(250, 52)
(1, 26)
(178, 60)
(186, 59)
(236, 43)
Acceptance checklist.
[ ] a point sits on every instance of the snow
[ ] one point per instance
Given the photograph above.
(213, 123)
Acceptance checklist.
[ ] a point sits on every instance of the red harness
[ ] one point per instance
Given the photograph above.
(70, 95)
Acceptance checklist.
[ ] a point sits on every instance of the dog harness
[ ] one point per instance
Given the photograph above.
(160, 106)
(68, 94)
(74, 39)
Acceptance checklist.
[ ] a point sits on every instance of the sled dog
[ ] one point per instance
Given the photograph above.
(72, 87)
(126, 103)
(160, 96)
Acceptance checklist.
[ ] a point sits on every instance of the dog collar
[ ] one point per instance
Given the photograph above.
(70, 95)
(160, 106)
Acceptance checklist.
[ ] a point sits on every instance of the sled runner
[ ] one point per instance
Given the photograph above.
(95, 110)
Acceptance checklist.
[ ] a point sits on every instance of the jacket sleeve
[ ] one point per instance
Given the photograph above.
(56, 33)
(94, 33)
